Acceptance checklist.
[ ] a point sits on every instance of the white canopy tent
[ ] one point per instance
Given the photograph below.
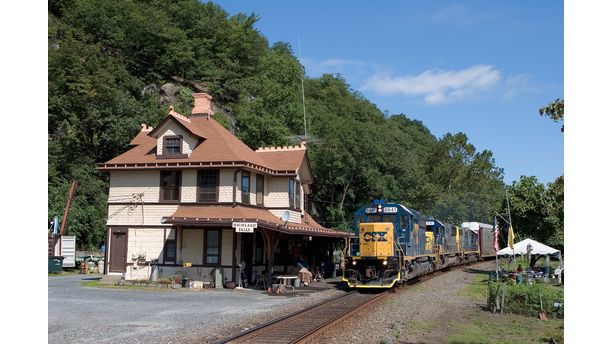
(520, 248)
(537, 248)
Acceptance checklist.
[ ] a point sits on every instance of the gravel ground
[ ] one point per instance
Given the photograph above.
(79, 314)
(421, 313)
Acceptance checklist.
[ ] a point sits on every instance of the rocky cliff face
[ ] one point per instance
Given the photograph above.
(174, 93)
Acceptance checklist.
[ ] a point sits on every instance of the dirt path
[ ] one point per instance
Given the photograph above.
(423, 313)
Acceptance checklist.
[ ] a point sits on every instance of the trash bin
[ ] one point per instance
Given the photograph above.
(55, 264)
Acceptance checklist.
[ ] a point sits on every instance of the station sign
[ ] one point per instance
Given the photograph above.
(244, 227)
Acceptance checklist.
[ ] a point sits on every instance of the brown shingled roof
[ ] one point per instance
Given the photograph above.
(141, 137)
(217, 144)
(202, 214)
(283, 158)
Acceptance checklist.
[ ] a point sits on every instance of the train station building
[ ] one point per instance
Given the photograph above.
(190, 198)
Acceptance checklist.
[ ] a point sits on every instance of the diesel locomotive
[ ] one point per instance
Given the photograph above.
(392, 244)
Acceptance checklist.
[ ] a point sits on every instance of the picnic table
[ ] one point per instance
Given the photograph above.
(285, 282)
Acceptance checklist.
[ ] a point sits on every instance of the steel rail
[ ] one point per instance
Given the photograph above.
(290, 328)
(308, 324)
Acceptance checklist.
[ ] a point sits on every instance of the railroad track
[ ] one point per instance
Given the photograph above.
(302, 325)
(309, 325)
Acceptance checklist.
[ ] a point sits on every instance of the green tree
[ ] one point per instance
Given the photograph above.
(554, 110)
(537, 210)
(106, 58)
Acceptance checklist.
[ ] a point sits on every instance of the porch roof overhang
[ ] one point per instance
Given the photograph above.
(225, 215)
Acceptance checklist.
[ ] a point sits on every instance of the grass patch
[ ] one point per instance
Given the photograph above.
(96, 284)
(477, 290)
(484, 327)
(65, 272)
(507, 328)
(416, 326)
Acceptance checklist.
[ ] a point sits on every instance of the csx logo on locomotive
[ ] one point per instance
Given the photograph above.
(374, 236)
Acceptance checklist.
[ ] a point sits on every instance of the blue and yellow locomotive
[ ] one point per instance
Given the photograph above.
(393, 244)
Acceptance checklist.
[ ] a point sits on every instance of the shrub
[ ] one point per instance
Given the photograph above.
(525, 299)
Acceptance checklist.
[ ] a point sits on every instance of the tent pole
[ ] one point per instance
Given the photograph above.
(496, 268)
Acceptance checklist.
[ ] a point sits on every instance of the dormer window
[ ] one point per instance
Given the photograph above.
(173, 146)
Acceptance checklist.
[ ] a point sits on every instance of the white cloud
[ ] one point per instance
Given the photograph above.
(436, 86)
(460, 14)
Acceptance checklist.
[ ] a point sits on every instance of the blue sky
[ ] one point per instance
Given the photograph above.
(479, 67)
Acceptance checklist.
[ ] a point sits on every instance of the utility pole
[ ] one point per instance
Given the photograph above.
(67, 210)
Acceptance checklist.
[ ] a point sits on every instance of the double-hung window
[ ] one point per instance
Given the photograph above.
(173, 145)
(170, 251)
(170, 188)
(291, 192)
(259, 189)
(213, 244)
(298, 195)
(208, 184)
(246, 187)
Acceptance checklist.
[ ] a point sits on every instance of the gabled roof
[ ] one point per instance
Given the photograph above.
(225, 214)
(216, 145)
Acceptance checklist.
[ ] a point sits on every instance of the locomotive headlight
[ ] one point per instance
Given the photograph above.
(385, 262)
(354, 262)
(379, 208)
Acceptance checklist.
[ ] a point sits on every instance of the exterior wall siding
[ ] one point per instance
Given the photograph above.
(143, 241)
(193, 245)
(227, 246)
(189, 185)
(172, 129)
(277, 192)
(226, 186)
(138, 215)
(147, 241)
(294, 216)
(125, 184)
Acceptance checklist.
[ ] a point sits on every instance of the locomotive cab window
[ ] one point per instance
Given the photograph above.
(388, 218)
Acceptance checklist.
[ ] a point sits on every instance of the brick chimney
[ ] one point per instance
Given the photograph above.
(202, 105)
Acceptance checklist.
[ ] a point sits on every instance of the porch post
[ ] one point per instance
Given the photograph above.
(234, 258)
(270, 240)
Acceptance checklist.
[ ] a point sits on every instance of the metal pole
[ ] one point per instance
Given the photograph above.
(510, 220)
(508, 206)
(496, 268)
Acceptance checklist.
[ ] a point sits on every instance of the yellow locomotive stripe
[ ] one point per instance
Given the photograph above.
(372, 286)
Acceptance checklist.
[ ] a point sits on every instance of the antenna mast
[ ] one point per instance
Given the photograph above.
(302, 77)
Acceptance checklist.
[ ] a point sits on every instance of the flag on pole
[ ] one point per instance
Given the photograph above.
(496, 237)
(511, 238)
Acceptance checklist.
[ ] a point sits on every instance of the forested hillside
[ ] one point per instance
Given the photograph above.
(108, 61)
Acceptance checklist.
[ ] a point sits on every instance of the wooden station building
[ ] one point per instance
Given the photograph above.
(189, 197)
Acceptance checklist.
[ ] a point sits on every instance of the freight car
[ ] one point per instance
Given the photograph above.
(486, 237)
(393, 244)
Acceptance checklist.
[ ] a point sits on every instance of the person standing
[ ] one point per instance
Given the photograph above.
(519, 274)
